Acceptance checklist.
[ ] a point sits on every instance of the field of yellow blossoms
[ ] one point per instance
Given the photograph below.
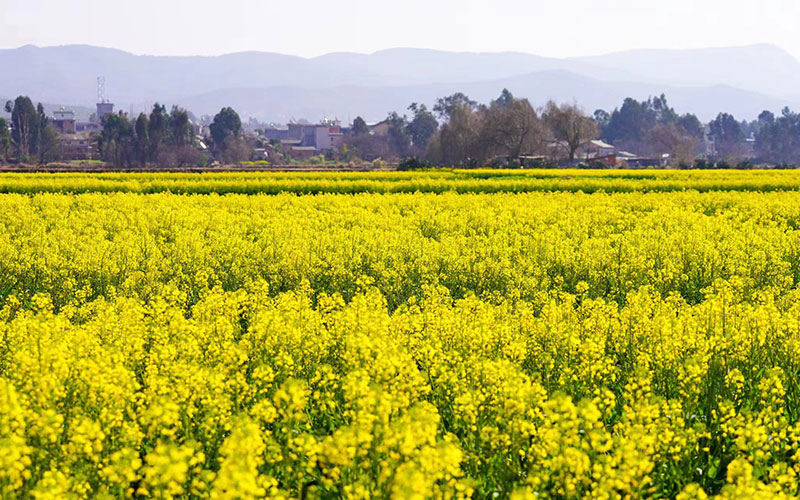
(468, 341)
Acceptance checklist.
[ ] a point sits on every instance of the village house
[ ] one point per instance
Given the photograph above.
(302, 141)
(64, 121)
(380, 129)
(77, 147)
(76, 141)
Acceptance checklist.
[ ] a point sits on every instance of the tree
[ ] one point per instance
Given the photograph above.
(570, 126)
(728, 137)
(24, 126)
(505, 100)
(674, 140)
(359, 127)
(226, 132)
(662, 111)
(48, 145)
(5, 140)
(691, 124)
(601, 118)
(156, 130)
(629, 124)
(778, 139)
(445, 105)
(510, 128)
(180, 127)
(41, 125)
(399, 140)
(766, 118)
(235, 150)
(116, 141)
(226, 124)
(365, 146)
(457, 141)
(421, 127)
(142, 146)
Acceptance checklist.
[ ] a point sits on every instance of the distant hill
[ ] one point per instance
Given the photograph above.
(764, 69)
(278, 87)
(282, 104)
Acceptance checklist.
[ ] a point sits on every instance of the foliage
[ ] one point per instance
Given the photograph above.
(317, 160)
(778, 139)
(631, 126)
(5, 140)
(117, 141)
(674, 140)
(421, 127)
(226, 125)
(25, 127)
(445, 106)
(180, 128)
(399, 141)
(142, 130)
(511, 127)
(226, 133)
(413, 163)
(163, 139)
(458, 140)
(728, 137)
(359, 127)
(48, 144)
(156, 130)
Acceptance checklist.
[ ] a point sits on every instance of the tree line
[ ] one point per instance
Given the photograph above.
(29, 137)
(163, 138)
(168, 139)
(456, 131)
(460, 131)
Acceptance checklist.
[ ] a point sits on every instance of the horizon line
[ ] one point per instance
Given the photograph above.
(397, 48)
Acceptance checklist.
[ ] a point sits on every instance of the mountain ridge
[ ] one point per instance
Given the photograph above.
(752, 76)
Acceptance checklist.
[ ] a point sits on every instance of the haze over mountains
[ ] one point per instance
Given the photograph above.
(274, 87)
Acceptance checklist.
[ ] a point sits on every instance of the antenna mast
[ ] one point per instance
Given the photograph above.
(101, 89)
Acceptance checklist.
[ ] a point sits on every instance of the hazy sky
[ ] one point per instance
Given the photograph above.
(312, 27)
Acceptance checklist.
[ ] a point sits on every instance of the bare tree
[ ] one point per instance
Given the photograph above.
(570, 126)
(458, 141)
(674, 140)
(511, 127)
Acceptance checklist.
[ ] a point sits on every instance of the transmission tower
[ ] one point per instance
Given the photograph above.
(101, 89)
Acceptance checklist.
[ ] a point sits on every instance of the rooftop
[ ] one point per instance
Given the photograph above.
(600, 144)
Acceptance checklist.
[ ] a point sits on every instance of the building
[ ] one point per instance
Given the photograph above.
(302, 153)
(749, 149)
(103, 109)
(597, 148)
(321, 137)
(77, 147)
(82, 127)
(327, 137)
(381, 129)
(646, 162)
(278, 134)
(64, 121)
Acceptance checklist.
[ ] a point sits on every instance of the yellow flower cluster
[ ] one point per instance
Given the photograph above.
(413, 346)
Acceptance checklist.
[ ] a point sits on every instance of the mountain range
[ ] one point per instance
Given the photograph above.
(279, 88)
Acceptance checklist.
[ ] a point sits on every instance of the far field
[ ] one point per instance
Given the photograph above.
(426, 181)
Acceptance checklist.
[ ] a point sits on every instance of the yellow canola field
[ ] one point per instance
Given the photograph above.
(424, 181)
(540, 345)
